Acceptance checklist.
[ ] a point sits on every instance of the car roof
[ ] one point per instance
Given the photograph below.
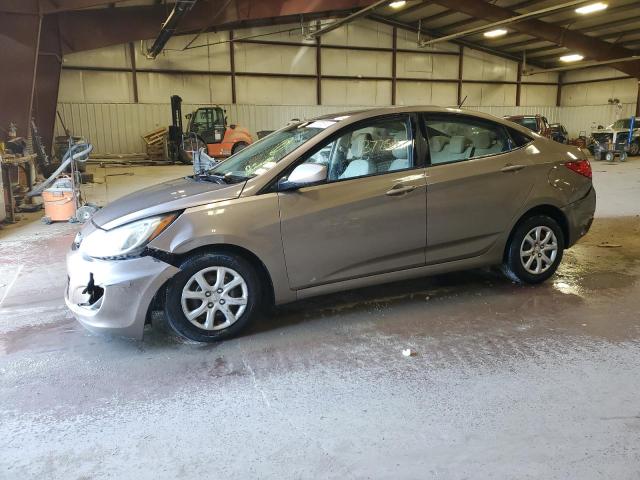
(537, 115)
(346, 117)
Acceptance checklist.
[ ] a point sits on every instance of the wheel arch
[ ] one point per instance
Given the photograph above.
(545, 209)
(177, 259)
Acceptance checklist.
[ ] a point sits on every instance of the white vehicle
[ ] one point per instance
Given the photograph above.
(618, 134)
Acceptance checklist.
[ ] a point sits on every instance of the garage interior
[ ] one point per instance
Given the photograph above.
(501, 380)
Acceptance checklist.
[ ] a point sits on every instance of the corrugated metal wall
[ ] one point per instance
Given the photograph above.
(118, 127)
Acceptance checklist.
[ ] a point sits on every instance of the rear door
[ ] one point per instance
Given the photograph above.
(370, 215)
(477, 180)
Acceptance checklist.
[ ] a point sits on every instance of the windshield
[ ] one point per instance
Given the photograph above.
(530, 122)
(264, 154)
(620, 124)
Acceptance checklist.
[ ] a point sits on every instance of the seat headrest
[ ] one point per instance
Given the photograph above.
(482, 140)
(359, 144)
(438, 142)
(458, 144)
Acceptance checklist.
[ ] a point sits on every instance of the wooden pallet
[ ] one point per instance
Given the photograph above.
(157, 152)
(156, 137)
(156, 144)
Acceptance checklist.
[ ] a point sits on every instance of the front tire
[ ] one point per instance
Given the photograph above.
(213, 297)
(534, 251)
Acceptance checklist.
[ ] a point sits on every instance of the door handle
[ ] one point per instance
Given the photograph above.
(512, 168)
(401, 190)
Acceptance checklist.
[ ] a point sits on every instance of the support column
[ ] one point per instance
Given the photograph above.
(519, 84)
(559, 90)
(134, 72)
(394, 65)
(460, 63)
(47, 82)
(318, 71)
(232, 65)
(638, 100)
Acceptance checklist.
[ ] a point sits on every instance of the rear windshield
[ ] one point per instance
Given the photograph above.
(530, 122)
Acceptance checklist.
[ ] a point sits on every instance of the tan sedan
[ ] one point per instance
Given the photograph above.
(329, 204)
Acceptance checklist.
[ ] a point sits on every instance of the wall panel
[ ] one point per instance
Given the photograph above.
(598, 93)
(116, 56)
(363, 33)
(356, 92)
(275, 91)
(275, 59)
(482, 66)
(205, 57)
(158, 87)
(354, 63)
(426, 93)
(538, 95)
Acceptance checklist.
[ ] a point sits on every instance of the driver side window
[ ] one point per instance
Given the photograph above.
(377, 148)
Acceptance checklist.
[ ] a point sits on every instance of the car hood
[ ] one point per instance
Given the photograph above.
(162, 198)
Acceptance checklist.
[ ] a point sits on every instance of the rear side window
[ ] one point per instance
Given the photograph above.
(453, 138)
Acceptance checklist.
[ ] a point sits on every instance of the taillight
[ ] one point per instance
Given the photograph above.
(583, 167)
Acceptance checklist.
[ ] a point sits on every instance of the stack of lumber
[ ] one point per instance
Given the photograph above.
(156, 144)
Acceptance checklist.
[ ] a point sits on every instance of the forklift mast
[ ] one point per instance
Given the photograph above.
(176, 113)
(175, 129)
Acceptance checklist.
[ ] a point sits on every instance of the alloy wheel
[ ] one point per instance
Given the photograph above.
(214, 298)
(538, 250)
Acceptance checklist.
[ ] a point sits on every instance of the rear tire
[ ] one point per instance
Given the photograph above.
(213, 297)
(634, 148)
(534, 251)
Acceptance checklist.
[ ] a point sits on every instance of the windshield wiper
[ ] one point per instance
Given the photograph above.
(211, 177)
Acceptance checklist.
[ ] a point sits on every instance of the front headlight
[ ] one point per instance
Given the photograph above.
(127, 240)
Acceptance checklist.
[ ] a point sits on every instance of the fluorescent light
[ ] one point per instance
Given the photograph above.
(574, 57)
(592, 7)
(498, 32)
(398, 4)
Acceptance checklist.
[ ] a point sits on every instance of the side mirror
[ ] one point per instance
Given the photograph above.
(303, 175)
(188, 116)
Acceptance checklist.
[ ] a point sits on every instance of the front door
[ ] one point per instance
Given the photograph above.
(370, 215)
(477, 181)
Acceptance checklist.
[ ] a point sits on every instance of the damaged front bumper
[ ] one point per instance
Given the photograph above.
(113, 296)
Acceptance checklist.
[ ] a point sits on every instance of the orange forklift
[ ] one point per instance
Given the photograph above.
(206, 127)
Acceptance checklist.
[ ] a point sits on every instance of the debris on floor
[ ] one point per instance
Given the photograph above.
(407, 352)
(609, 245)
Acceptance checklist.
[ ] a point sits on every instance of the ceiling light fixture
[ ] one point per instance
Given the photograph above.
(398, 4)
(498, 32)
(592, 7)
(574, 57)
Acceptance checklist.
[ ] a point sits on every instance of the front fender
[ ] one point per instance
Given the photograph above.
(251, 223)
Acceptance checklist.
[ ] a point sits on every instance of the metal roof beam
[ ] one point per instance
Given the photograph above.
(431, 32)
(338, 23)
(592, 48)
(506, 21)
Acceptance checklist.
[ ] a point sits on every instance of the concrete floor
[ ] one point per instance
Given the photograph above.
(508, 381)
